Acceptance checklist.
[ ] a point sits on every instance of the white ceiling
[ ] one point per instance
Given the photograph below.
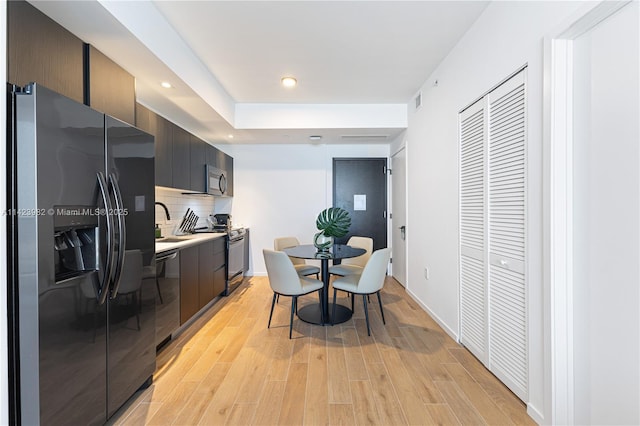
(225, 60)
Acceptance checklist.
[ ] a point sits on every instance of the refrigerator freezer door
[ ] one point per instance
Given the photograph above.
(131, 351)
(60, 148)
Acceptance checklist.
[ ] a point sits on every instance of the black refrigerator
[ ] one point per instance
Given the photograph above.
(81, 260)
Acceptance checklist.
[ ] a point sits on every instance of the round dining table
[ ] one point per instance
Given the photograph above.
(311, 313)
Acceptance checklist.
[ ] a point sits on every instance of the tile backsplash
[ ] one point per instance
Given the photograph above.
(178, 203)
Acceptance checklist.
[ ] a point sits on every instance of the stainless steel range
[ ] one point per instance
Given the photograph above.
(235, 258)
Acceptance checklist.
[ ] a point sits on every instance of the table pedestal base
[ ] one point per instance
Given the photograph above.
(311, 314)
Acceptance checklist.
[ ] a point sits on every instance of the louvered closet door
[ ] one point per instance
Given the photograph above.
(493, 303)
(507, 295)
(473, 291)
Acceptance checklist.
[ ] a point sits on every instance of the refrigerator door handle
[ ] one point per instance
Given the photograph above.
(104, 286)
(122, 234)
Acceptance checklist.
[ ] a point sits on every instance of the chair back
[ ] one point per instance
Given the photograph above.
(283, 277)
(282, 243)
(360, 242)
(372, 278)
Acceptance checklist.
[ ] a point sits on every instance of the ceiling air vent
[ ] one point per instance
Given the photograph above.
(418, 101)
(363, 137)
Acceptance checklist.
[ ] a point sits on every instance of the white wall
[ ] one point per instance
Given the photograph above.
(507, 36)
(280, 189)
(606, 222)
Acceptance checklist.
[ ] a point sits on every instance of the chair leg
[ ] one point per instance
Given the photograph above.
(333, 312)
(352, 303)
(321, 294)
(294, 301)
(277, 297)
(381, 311)
(273, 302)
(366, 313)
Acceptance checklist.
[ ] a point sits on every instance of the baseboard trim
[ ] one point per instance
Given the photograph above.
(435, 317)
(535, 414)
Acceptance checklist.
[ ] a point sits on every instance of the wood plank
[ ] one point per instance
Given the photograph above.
(292, 410)
(281, 359)
(255, 374)
(423, 383)
(408, 395)
(173, 404)
(367, 343)
(341, 415)
(140, 415)
(426, 354)
(317, 391)
(268, 410)
(339, 389)
(353, 355)
(478, 397)
(459, 404)
(442, 414)
(301, 345)
(364, 403)
(222, 402)
(241, 414)
(509, 404)
(196, 405)
(234, 346)
(389, 408)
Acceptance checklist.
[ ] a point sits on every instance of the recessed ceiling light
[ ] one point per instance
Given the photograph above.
(289, 81)
(315, 137)
(166, 85)
(230, 136)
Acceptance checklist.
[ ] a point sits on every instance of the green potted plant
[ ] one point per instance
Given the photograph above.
(333, 222)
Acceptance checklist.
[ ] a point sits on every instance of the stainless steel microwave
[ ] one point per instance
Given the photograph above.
(216, 180)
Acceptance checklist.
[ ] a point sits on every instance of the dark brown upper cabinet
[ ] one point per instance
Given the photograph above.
(162, 129)
(110, 88)
(225, 162)
(181, 158)
(196, 167)
(41, 51)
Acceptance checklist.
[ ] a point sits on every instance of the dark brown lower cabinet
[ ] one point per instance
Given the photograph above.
(202, 276)
(189, 283)
(205, 268)
(219, 263)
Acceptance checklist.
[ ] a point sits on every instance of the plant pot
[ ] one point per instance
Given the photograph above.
(322, 242)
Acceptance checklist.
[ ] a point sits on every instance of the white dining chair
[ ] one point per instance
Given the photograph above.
(285, 281)
(354, 265)
(301, 265)
(370, 281)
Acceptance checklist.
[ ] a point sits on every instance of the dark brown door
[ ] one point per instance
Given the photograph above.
(360, 187)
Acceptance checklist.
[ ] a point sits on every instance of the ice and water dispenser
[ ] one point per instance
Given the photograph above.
(75, 241)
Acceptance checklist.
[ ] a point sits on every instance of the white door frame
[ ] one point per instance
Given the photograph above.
(558, 223)
(392, 226)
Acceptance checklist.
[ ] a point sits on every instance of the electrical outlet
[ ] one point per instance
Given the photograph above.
(426, 272)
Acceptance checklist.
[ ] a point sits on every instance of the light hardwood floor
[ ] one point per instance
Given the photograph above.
(228, 368)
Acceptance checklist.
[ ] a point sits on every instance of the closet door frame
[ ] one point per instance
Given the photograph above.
(558, 211)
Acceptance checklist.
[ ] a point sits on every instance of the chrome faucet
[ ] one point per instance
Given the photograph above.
(166, 210)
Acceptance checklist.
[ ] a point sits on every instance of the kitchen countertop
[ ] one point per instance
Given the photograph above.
(181, 241)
